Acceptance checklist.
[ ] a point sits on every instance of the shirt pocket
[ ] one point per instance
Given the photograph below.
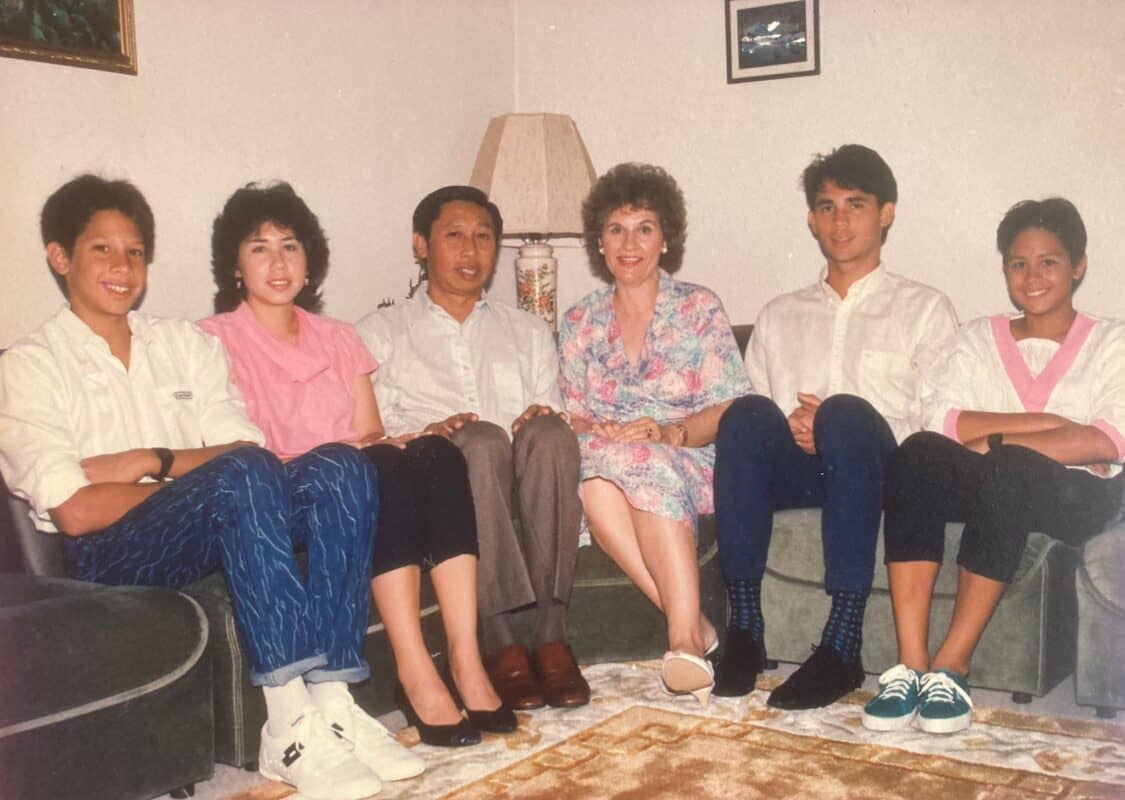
(886, 380)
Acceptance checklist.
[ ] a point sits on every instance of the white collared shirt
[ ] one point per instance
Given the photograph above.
(874, 343)
(65, 397)
(496, 363)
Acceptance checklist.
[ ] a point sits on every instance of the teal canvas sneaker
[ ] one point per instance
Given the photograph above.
(944, 705)
(896, 704)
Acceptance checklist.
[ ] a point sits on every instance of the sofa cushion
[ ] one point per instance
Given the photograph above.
(796, 551)
(1103, 566)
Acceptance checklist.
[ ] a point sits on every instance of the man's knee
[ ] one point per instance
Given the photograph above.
(547, 436)
(250, 462)
(483, 443)
(845, 421)
(748, 416)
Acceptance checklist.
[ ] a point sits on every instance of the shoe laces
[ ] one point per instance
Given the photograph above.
(897, 682)
(317, 739)
(937, 687)
(348, 721)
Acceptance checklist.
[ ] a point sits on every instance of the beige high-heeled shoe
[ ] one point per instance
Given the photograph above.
(684, 673)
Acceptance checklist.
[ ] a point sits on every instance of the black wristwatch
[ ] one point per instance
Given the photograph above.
(995, 440)
(166, 457)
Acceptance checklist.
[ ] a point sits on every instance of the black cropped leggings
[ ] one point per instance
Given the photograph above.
(426, 512)
(1001, 497)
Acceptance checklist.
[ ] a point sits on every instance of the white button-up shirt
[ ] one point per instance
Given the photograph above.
(496, 363)
(874, 343)
(65, 397)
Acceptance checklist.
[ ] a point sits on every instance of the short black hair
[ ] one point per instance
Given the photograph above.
(429, 209)
(1055, 215)
(637, 186)
(851, 166)
(70, 208)
(245, 212)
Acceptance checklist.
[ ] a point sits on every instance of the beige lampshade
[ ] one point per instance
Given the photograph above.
(536, 169)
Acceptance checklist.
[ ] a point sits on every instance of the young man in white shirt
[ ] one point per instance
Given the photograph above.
(124, 433)
(835, 367)
(455, 363)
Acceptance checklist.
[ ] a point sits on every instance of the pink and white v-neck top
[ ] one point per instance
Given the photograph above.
(983, 368)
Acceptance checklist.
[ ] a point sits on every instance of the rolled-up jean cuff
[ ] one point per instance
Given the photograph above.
(347, 675)
(282, 675)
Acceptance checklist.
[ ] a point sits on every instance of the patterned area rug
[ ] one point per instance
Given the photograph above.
(634, 741)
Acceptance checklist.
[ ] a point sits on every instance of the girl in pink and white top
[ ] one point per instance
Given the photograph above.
(306, 381)
(1025, 416)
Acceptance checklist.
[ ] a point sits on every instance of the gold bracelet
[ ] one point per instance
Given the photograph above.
(682, 428)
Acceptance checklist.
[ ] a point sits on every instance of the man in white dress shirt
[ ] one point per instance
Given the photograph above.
(457, 364)
(835, 369)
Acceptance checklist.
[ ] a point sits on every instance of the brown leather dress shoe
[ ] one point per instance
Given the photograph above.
(563, 684)
(514, 680)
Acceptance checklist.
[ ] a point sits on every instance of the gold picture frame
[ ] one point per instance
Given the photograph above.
(94, 34)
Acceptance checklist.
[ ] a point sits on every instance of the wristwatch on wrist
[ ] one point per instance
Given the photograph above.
(166, 457)
(995, 440)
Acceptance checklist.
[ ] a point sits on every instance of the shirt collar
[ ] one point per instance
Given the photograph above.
(299, 364)
(861, 287)
(81, 334)
(423, 303)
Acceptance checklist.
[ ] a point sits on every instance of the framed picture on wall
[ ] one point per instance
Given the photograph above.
(769, 39)
(97, 34)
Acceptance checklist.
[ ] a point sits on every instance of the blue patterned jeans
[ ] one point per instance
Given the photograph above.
(245, 512)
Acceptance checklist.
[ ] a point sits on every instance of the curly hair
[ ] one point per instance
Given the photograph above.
(70, 208)
(245, 212)
(633, 185)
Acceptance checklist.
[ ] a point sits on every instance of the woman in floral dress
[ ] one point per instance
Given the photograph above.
(649, 364)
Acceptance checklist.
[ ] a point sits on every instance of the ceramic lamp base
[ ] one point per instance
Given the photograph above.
(537, 281)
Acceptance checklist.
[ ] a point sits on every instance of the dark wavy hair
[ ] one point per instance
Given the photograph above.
(245, 212)
(1055, 215)
(637, 186)
(70, 208)
(851, 166)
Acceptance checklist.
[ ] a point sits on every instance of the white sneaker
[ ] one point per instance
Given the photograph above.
(370, 742)
(310, 757)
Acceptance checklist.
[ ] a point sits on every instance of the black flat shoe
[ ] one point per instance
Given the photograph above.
(737, 671)
(461, 734)
(499, 720)
(823, 679)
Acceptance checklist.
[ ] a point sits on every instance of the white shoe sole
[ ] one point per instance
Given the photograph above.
(873, 723)
(947, 724)
(336, 793)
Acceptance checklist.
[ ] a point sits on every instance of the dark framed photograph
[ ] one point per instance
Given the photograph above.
(97, 34)
(767, 39)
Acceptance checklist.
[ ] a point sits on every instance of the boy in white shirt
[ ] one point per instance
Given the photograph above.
(835, 368)
(125, 435)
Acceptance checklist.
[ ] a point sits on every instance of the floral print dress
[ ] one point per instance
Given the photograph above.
(688, 361)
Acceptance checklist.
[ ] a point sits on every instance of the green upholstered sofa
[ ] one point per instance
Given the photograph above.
(1099, 676)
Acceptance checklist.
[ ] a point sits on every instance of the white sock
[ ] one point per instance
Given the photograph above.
(324, 693)
(285, 704)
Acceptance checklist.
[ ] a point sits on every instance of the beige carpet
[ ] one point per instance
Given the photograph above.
(635, 742)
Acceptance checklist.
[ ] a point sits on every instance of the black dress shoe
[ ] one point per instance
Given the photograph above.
(823, 679)
(737, 671)
(499, 720)
(460, 734)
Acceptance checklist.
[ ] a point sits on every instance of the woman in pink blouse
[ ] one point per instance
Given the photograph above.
(306, 381)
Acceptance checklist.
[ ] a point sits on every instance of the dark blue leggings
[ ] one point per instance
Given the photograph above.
(244, 512)
(759, 469)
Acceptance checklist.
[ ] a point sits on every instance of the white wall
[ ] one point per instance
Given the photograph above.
(974, 103)
(364, 108)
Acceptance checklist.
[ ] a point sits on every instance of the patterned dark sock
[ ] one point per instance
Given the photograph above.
(746, 607)
(844, 630)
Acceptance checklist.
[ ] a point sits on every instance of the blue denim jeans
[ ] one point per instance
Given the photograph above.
(245, 512)
(759, 469)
